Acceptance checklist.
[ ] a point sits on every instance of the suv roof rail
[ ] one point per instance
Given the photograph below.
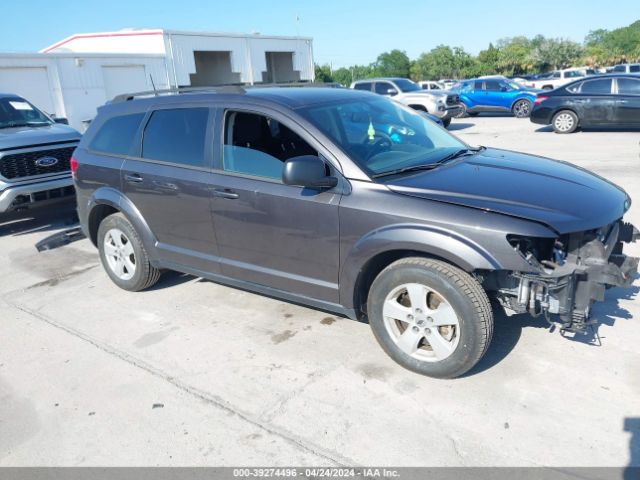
(125, 97)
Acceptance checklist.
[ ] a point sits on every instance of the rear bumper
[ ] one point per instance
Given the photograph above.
(541, 116)
(21, 196)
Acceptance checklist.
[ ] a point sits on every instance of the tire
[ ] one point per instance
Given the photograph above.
(453, 301)
(463, 111)
(123, 255)
(565, 121)
(446, 122)
(521, 109)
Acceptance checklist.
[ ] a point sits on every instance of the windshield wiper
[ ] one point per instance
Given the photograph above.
(430, 166)
(24, 124)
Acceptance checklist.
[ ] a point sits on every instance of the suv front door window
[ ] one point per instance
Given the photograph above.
(270, 233)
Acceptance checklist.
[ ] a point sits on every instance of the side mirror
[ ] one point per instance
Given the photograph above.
(503, 89)
(307, 171)
(64, 121)
(392, 92)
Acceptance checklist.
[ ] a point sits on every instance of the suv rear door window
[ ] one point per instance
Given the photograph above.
(176, 136)
(258, 145)
(116, 134)
(602, 86)
(363, 86)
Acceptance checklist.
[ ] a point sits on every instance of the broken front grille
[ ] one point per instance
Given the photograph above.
(25, 164)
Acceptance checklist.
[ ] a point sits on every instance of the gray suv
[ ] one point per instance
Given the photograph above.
(350, 202)
(35, 152)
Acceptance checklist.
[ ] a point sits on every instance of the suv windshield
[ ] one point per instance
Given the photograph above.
(382, 136)
(406, 85)
(17, 112)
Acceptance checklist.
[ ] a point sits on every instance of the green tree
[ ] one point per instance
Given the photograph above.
(323, 73)
(514, 56)
(343, 76)
(488, 60)
(395, 63)
(555, 53)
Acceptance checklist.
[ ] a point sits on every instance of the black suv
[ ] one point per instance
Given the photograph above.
(350, 202)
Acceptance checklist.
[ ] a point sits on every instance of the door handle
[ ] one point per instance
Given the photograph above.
(224, 193)
(133, 178)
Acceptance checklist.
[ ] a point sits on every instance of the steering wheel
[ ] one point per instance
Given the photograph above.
(381, 143)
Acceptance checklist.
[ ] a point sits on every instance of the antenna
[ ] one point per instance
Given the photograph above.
(153, 85)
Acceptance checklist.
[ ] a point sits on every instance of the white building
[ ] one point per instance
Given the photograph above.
(71, 78)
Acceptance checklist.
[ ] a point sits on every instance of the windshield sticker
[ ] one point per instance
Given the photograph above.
(371, 131)
(20, 105)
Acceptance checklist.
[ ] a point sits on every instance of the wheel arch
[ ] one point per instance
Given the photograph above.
(376, 251)
(107, 201)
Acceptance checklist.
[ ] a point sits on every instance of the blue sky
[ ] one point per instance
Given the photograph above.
(344, 31)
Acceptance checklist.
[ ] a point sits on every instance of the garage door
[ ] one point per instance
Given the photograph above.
(124, 79)
(31, 83)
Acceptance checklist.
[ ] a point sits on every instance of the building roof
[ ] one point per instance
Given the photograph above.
(132, 32)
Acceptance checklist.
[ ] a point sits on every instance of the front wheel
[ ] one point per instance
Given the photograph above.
(430, 317)
(522, 109)
(463, 111)
(565, 121)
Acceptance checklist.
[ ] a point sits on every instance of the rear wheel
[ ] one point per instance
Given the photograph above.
(521, 109)
(430, 317)
(565, 121)
(123, 255)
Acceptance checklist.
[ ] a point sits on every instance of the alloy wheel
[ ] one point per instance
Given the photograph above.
(118, 250)
(421, 322)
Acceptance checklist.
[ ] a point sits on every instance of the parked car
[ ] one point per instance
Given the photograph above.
(443, 105)
(626, 68)
(607, 100)
(34, 156)
(430, 85)
(275, 191)
(494, 94)
(447, 83)
(558, 78)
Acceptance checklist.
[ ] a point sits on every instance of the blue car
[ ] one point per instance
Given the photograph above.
(495, 94)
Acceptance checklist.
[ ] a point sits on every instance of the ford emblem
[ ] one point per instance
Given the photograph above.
(46, 161)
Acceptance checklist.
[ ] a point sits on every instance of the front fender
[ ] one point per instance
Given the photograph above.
(116, 199)
(427, 240)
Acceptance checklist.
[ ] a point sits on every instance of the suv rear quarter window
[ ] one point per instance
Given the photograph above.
(116, 134)
(176, 136)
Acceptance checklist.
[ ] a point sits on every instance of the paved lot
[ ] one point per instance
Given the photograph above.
(194, 373)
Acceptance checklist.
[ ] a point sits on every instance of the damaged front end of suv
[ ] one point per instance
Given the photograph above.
(568, 274)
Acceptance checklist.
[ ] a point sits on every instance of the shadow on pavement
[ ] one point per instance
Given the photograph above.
(459, 126)
(38, 220)
(170, 279)
(507, 330)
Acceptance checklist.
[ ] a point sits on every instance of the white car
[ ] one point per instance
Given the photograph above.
(626, 68)
(444, 105)
(430, 85)
(557, 78)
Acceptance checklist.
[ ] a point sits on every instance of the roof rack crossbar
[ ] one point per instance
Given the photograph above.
(125, 97)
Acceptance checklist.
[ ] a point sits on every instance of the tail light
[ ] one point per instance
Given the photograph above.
(539, 100)
(73, 163)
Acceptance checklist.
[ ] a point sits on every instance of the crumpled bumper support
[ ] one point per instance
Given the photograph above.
(570, 290)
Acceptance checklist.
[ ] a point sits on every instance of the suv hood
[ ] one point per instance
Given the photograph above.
(18, 137)
(557, 194)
